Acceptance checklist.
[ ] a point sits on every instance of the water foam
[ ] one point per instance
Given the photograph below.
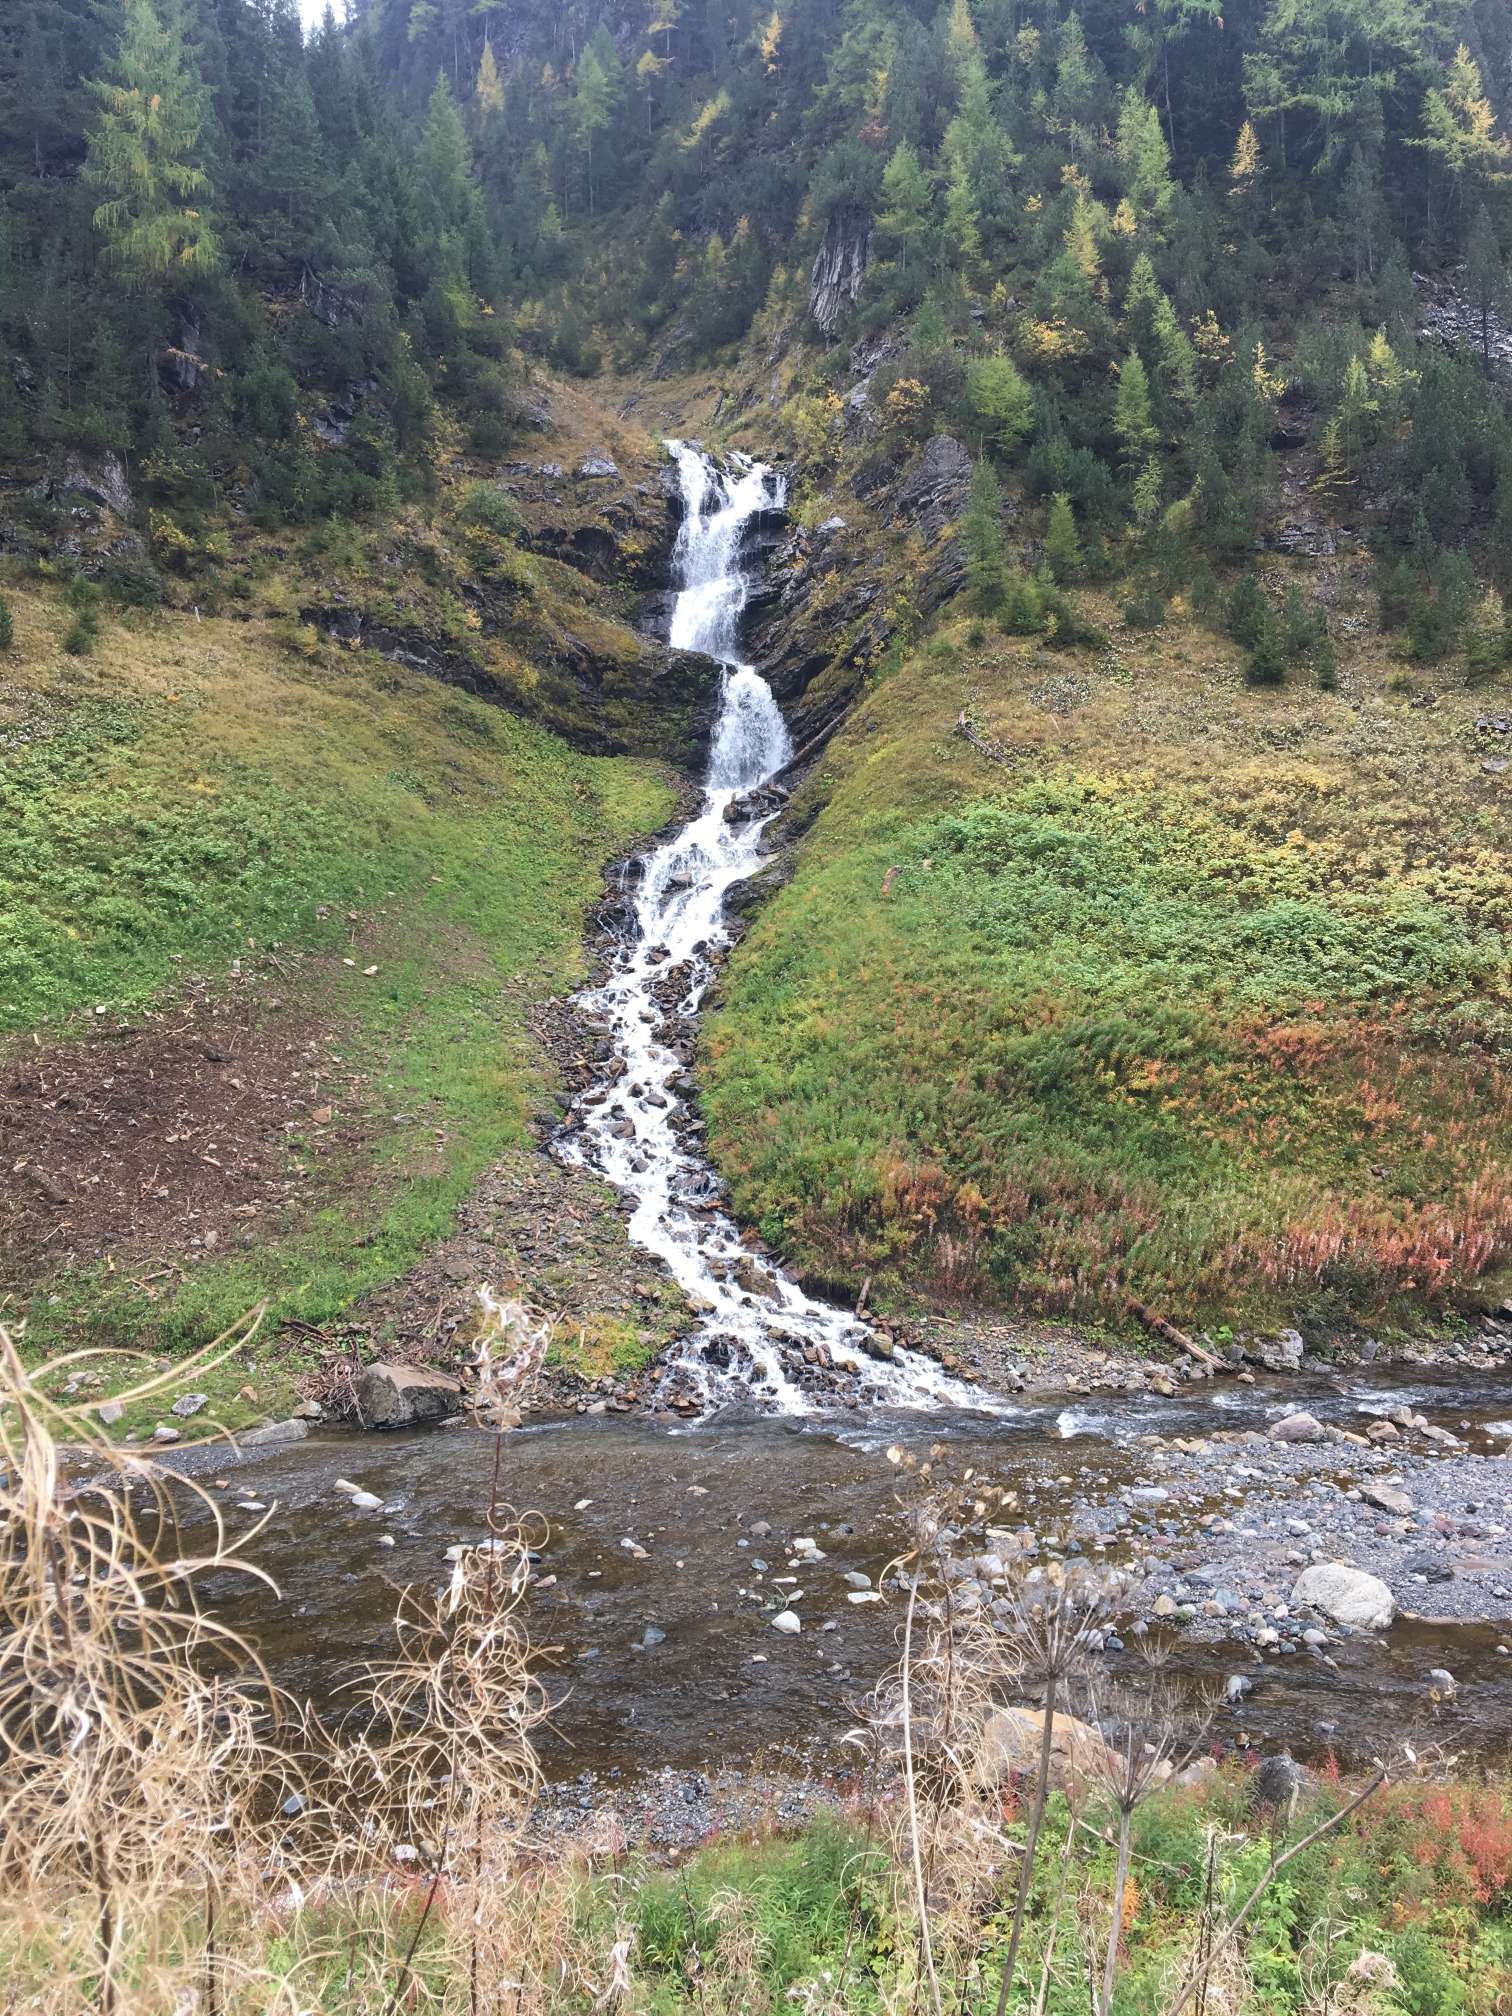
(753, 1330)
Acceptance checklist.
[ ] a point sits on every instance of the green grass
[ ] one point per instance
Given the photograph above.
(1420, 1878)
(194, 797)
(1136, 1010)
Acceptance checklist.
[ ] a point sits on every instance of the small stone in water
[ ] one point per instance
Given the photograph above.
(365, 1501)
(786, 1621)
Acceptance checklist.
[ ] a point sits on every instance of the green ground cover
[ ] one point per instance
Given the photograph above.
(198, 802)
(1186, 992)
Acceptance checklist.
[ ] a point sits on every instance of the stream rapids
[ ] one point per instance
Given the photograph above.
(760, 1340)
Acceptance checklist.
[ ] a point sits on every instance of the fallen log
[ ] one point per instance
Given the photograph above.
(1163, 1328)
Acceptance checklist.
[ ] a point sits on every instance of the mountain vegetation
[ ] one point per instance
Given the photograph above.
(1214, 298)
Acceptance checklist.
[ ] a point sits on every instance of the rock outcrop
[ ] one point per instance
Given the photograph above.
(839, 269)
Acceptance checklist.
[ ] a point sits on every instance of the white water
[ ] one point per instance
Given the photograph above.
(750, 1338)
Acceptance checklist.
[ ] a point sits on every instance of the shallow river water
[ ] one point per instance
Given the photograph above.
(720, 1686)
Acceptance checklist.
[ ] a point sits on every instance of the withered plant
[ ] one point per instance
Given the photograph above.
(140, 1767)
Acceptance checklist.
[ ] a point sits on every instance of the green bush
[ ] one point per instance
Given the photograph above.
(83, 599)
(1145, 609)
(1246, 614)
(491, 506)
(133, 583)
(7, 626)
(1266, 663)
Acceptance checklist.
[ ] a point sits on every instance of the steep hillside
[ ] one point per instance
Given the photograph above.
(278, 920)
(1102, 974)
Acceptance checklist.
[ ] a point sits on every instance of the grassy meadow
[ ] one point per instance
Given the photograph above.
(1156, 985)
(224, 805)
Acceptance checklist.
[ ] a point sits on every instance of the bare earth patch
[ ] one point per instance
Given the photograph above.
(159, 1141)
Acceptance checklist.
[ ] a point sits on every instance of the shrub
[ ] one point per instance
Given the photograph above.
(1063, 554)
(1266, 663)
(1301, 626)
(1146, 608)
(1246, 614)
(7, 626)
(133, 583)
(491, 506)
(84, 599)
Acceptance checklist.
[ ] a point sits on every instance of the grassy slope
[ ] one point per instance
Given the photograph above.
(193, 795)
(1199, 994)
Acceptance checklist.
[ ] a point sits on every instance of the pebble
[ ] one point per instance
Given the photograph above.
(788, 1622)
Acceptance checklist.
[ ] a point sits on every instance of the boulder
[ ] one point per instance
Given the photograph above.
(1348, 1595)
(1387, 1498)
(1298, 1427)
(404, 1396)
(596, 468)
(1010, 1747)
(272, 1434)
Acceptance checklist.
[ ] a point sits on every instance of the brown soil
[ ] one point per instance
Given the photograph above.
(158, 1141)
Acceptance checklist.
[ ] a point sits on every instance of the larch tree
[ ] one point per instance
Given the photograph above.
(143, 164)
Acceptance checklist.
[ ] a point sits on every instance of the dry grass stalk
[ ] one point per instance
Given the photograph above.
(138, 1749)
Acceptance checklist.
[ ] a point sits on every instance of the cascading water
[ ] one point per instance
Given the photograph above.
(759, 1336)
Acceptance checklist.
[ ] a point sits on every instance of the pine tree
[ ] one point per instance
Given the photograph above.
(986, 546)
(1063, 553)
(1459, 128)
(904, 220)
(1131, 410)
(143, 164)
(595, 98)
(1485, 277)
(1000, 400)
(488, 90)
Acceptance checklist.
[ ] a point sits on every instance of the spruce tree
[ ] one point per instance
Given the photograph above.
(986, 547)
(1485, 277)
(143, 163)
(1131, 411)
(1063, 553)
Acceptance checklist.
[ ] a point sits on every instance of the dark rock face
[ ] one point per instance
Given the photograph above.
(644, 699)
(328, 304)
(839, 269)
(404, 1396)
(933, 492)
(827, 599)
(181, 367)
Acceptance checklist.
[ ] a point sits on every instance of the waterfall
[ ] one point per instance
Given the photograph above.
(758, 1337)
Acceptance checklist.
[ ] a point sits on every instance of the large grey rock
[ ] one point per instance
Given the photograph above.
(839, 269)
(403, 1396)
(1387, 1498)
(1348, 1595)
(1298, 1427)
(272, 1434)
